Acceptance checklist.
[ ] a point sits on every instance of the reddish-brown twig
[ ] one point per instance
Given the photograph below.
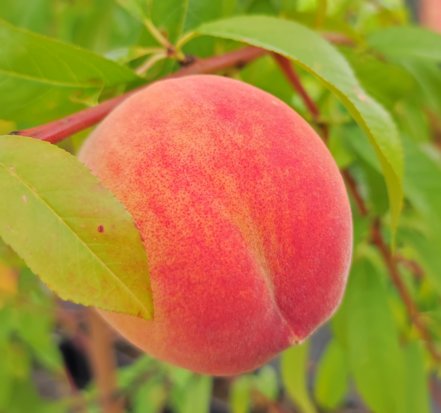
(377, 237)
(294, 80)
(338, 39)
(57, 130)
(353, 189)
(411, 265)
(103, 363)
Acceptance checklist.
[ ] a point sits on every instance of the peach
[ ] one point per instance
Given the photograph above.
(243, 214)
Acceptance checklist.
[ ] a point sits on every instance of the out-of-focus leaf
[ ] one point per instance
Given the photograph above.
(266, 382)
(384, 81)
(178, 17)
(142, 366)
(428, 76)
(324, 61)
(240, 397)
(267, 7)
(197, 395)
(38, 74)
(423, 189)
(407, 42)
(6, 376)
(92, 251)
(98, 25)
(294, 368)
(34, 15)
(179, 377)
(35, 329)
(417, 394)
(423, 179)
(332, 377)
(376, 359)
(424, 240)
(419, 51)
(24, 398)
(413, 121)
(137, 8)
(151, 397)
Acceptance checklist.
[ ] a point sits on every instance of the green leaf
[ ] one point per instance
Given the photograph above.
(294, 368)
(38, 74)
(418, 51)
(177, 18)
(320, 58)
(424, 238)
(70, 230)
(197, 395)
(417, 394)
(240, 395)
(33, 322)
(265, 381)
(6, 376)
(151, 397)
(24, 398)
(423, 179)
(423, 189)
(375, 356)
(386, 82)
(407, 42)
(98, 25)
(332, 377)
(428, 76)
(33, 15)
(134, 7)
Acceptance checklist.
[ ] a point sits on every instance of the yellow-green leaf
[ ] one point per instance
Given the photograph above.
(69, 229)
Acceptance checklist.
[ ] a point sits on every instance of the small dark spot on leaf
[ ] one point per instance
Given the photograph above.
(100, 228)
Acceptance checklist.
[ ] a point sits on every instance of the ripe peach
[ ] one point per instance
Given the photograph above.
(243, 214)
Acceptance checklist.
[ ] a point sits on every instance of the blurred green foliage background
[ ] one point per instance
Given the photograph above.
(381, 351)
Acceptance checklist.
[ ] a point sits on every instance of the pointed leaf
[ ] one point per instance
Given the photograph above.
(376, 359)
(417, 394)
(332, 377)
(407, 42)
(70, 230)
(294, 366)
(240, 394)
(39, 73)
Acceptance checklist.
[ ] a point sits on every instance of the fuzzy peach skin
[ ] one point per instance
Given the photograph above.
(243, 214)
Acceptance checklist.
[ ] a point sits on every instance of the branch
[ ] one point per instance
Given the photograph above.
(353, 189)
(103, 363)
(390, 261)
(57, 130)
(293, 78)
(338, 39)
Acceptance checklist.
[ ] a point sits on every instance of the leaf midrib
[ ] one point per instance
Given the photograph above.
(47, 81)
